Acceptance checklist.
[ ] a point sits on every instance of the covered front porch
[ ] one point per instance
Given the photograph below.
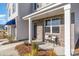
(38, 29)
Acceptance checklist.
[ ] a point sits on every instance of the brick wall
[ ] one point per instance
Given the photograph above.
(39, 30)
(61, 36)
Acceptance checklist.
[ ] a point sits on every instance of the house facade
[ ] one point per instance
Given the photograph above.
(40, 21)
(60, 20)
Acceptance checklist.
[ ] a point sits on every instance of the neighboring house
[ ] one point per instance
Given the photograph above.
(1, 27)
(16, 25)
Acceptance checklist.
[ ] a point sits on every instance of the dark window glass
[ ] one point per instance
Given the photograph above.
(47, 29)
(62, 21)
(72, 18)
(35, 30)
(36, 5)
(56, 21)
(48, 22)
(55, 29)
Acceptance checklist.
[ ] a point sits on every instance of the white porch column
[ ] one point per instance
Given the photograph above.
(67, 29)
(30, 30)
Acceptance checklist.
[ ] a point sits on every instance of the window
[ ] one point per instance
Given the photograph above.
(35, 30)
(48, 22)
(62, 21)
(52, 22)
(52, 25)
(47, 29)
(55, 29)
(72, 18)
(14, 7)
(55, 21)
(36, 5)
(55, 25)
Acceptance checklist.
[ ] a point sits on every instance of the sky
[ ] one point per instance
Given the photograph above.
(3, 13)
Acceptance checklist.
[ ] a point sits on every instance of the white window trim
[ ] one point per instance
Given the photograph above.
(50, 25)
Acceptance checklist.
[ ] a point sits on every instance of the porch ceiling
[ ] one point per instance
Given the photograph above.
(48, 14)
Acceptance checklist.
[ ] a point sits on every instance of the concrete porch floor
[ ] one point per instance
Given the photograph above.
(59, 50)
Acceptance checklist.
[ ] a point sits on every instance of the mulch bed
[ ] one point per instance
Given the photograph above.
(27, 48)
(23, 49)
(77, 50)
(1, 41)
(46, 53)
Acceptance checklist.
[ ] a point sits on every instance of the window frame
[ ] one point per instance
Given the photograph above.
(72, 18)
(35, 6)
(51, 26)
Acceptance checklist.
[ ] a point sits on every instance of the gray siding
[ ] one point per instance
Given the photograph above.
(24, 9)
(22, 25)
(75, 27)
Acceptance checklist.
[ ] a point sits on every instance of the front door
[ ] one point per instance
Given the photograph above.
(35, 30)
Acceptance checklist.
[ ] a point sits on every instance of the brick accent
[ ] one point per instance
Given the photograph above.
(61, 36)
(39, 30)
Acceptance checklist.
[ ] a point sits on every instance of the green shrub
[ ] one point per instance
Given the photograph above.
(34, 48)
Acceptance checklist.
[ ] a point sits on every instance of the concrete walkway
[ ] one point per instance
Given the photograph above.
(9, 49)
(46, 46)
(2, 41)
(59, 50)
(9, 52)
